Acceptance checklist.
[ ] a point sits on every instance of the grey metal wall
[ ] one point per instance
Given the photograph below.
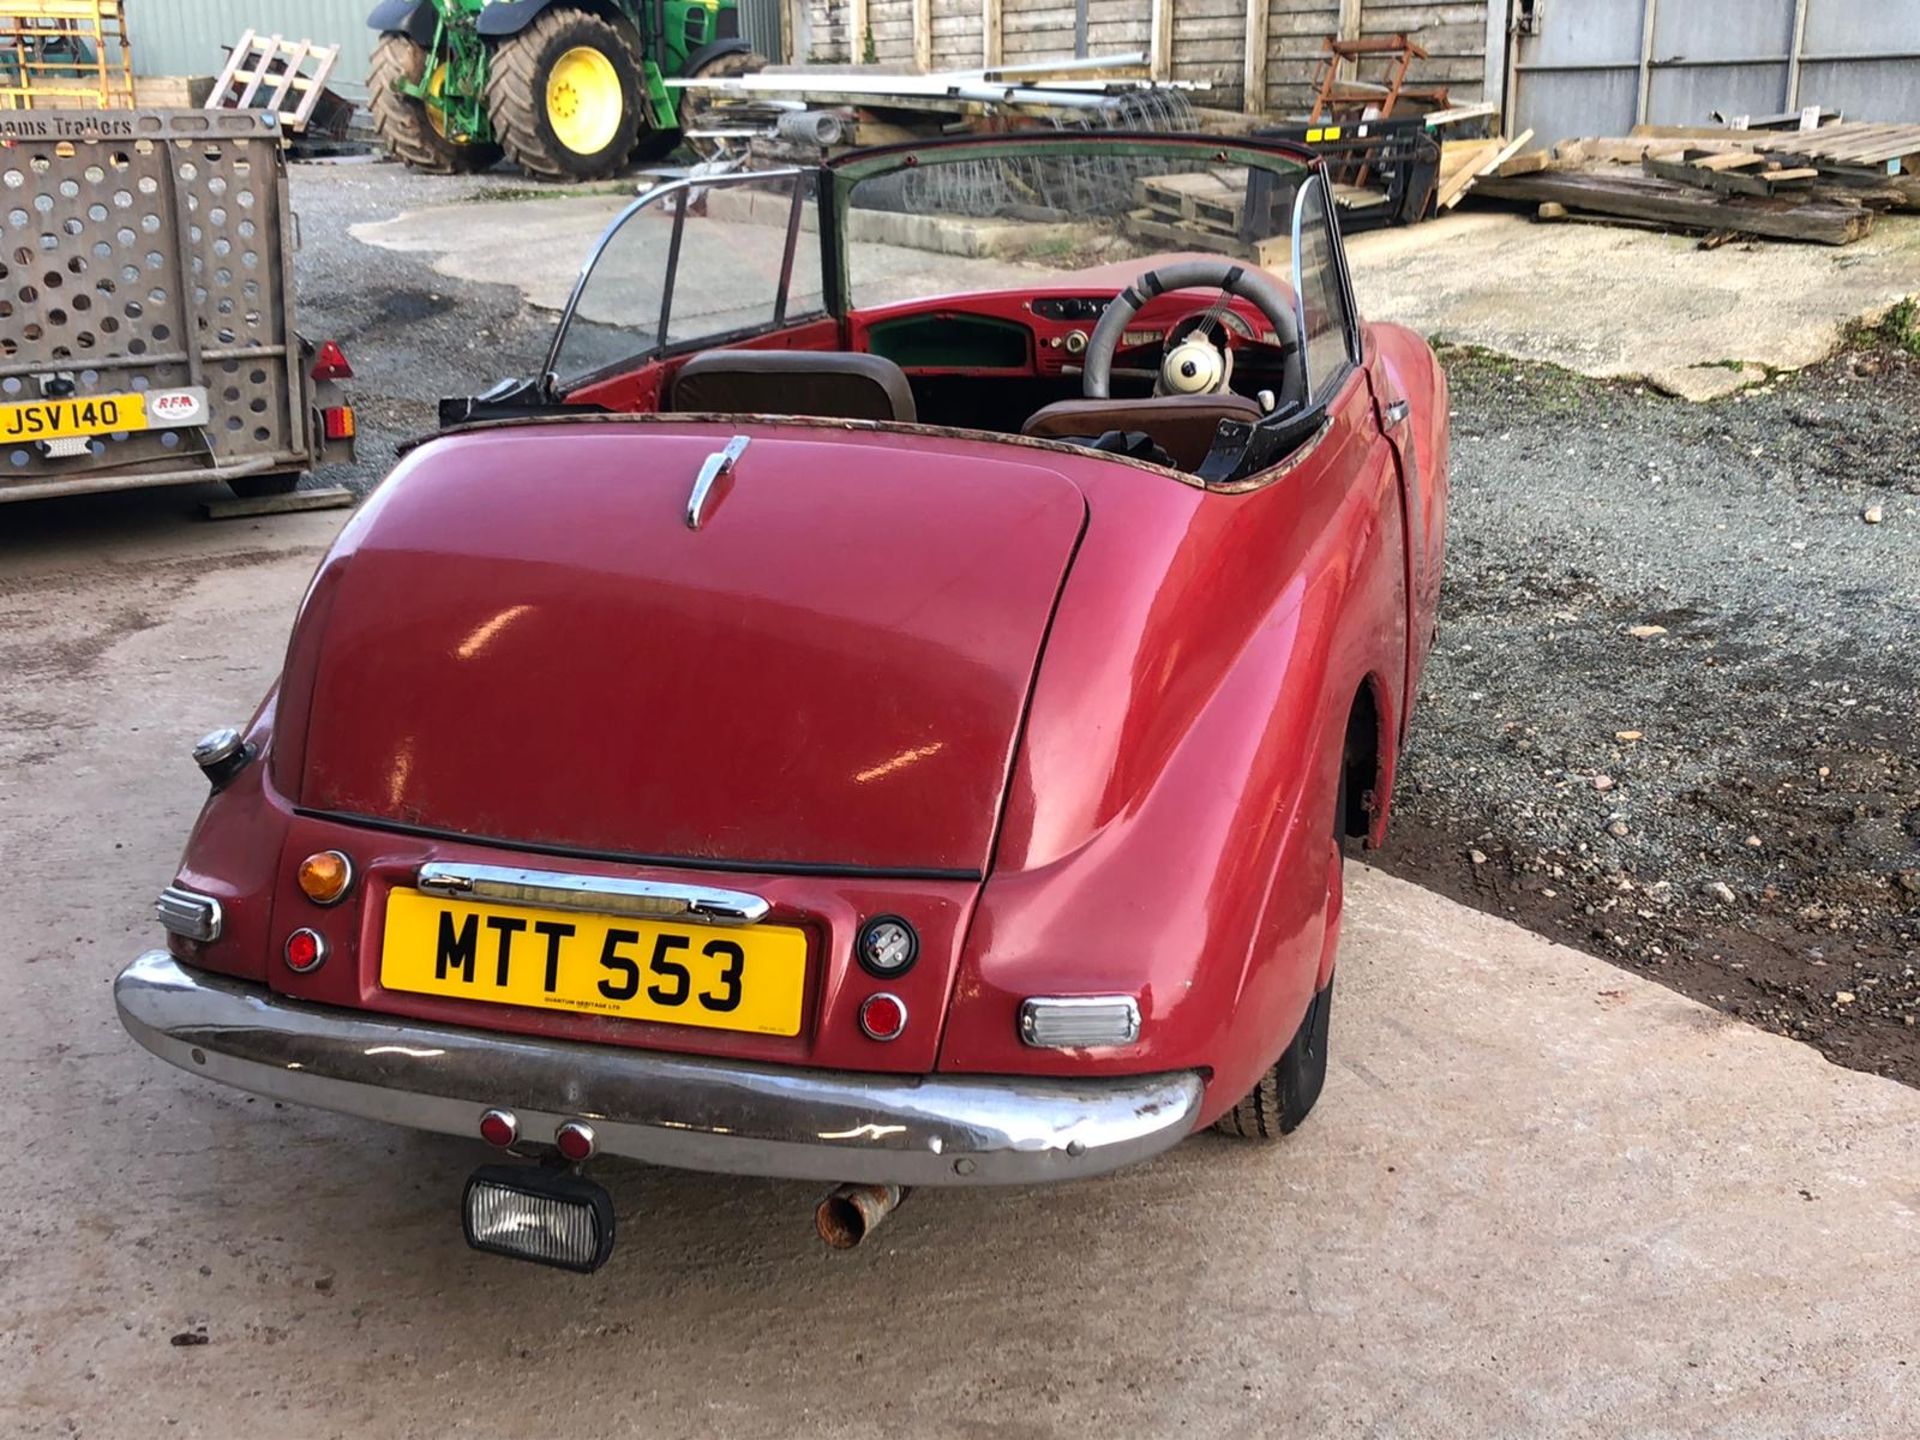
(1598, 67)
(188, 37)
(760, 23)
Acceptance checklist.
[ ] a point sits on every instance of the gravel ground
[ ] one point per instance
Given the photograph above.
(1674, 714)
(413, 336)
(1731, 803)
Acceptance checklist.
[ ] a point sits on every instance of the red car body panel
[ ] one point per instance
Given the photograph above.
(830, 672)
(1114, 706)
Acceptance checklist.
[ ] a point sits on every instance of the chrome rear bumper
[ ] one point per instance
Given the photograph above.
(687, 1111)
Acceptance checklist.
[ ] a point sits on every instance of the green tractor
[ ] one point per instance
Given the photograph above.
(567, 89)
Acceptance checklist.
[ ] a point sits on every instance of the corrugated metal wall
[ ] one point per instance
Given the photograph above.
(1602, 66)
(760, 24)
(189, 37)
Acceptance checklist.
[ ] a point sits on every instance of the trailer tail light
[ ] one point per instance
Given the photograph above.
(330, 363)
(338, 422)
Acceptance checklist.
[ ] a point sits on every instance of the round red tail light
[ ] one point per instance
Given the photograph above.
(305, 950)
(883, 1016)
(574, 1140)
(499, 1128)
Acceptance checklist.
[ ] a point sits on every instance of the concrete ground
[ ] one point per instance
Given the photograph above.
(1540, 1196)
(1617, 303)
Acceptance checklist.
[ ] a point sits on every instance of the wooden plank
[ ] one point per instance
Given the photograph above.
(295, 57)
(1722, 182)
(1253, 76)
(330, 497)
(265, 48)
(857, 23)
(1730, 161)
(1455, 190)
(1639, 197)
(235, 60)
(923, 36)
(1525, 164)
(1160, 49)
(324, 56)
(1276, 253)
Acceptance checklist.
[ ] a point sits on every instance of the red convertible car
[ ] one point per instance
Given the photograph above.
(817, 730)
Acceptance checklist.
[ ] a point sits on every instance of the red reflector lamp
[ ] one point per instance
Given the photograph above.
(574, 1141)
(305, 951)
(498, 1127)
(883, 1016)
(330, 362)
(338, 420)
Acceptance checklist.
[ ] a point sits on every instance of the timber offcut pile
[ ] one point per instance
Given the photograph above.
(1822, 184)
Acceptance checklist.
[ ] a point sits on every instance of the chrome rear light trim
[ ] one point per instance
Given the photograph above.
(604, 894)
(1078, 1022)
(189, 914)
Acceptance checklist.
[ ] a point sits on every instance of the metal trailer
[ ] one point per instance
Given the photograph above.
(146, 308)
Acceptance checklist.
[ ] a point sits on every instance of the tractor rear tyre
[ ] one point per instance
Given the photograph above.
(410, 131)
(565, 96)
(697, 105)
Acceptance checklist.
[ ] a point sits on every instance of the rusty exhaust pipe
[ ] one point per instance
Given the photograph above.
(852, 1212)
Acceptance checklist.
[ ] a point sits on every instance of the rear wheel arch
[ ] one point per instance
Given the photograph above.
(1366, 765)
(415, 19)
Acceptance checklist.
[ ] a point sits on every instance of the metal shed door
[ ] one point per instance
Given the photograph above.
(1599, 67)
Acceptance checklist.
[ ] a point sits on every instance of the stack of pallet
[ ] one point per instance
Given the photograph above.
(1821, 184)
(1203, 210)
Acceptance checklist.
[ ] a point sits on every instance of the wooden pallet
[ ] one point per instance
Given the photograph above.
(1148, 224)
(1213, 197)
(1636, 197)
(264, 72)
(1730, 174)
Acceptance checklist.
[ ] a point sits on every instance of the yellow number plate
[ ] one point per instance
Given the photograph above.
(67, 419)
(748, 977)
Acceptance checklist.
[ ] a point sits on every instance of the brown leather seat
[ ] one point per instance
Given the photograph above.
(827, 383)
(1181, 425)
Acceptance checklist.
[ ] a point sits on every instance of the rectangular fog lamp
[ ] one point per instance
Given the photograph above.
(1075, 1022)
(547, 1217)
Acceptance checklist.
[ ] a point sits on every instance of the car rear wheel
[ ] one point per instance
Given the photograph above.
(410, 130)
(565, 96)
(1287, 1092)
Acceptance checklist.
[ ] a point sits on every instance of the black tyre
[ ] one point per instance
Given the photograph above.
(565, 96)
(1287, 1092)
(261, 487)
(696, 105)
(409, 130)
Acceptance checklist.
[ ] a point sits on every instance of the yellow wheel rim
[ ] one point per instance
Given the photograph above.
(584, 100)
(436, 87)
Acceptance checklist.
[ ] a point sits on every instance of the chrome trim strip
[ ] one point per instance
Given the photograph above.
(745, 865)
(1037, 1007)
(189, 914)
(604, 894)
(720, 463)
(690, 1111)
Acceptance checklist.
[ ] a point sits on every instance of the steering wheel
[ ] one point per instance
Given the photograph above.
(1196, 366)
